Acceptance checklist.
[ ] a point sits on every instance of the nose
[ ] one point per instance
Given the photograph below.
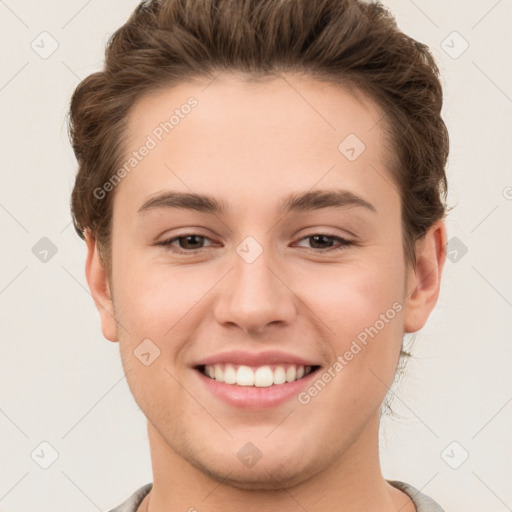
(255, 295)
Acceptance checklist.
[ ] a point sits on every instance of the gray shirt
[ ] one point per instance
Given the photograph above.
(422, 502)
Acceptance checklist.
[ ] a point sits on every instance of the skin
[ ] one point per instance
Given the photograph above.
(250, 144)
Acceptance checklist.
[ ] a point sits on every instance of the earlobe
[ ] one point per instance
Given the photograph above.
(100, 288)
(424, 282)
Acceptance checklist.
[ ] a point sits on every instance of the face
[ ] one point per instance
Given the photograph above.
(292, 263)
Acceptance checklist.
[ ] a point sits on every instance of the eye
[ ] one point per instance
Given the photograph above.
(189, 243)
(323, 238)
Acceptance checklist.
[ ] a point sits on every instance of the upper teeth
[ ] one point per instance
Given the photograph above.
(261, 376)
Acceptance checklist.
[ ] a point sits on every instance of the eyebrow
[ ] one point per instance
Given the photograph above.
(295, 202)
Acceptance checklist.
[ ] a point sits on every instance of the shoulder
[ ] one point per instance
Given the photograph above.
(422, 502)
(132, 503)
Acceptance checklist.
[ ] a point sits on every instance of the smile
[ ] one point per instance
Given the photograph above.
(256, 376)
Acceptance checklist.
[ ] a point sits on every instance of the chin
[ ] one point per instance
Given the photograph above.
(258, 481)
(264, 476)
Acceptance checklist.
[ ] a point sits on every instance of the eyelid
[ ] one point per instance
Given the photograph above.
(326, 230)
(167, 241)
(340, 240)
(328, 235)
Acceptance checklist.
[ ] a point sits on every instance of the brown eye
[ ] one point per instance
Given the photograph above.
(322, 242)
(188, 243)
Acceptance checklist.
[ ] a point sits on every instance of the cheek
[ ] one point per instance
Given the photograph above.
(362, 306)
(157, 305)
(158, 301)
(364, 314)
(352, 296)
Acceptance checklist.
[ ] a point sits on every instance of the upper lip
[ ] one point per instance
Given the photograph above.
(256, 358)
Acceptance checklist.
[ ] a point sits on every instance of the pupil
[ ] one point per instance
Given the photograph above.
(316, 237)
(187, 238)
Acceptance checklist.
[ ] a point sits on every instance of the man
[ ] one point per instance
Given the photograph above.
(259, 190)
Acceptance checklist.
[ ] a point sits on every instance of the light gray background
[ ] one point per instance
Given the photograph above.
(62, 382)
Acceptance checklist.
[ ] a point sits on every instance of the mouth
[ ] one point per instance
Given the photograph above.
(255, 380)
(264, 376)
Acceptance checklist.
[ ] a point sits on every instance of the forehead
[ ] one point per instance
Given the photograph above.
(235, 108)
(244, 139)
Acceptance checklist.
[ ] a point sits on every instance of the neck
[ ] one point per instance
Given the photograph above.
(352, 482)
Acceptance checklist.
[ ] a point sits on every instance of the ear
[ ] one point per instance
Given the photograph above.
(424, 282)
(100, 288)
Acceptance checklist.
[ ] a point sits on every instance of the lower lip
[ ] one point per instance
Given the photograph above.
(251, 397)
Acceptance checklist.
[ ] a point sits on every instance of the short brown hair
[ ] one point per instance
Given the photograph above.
(347, 42)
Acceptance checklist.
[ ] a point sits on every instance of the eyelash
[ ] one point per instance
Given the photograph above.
(167, 243)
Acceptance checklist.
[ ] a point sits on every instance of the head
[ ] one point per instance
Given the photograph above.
(254, 103)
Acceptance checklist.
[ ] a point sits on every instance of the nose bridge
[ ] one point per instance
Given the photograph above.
(254, 294)
(254, 279)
